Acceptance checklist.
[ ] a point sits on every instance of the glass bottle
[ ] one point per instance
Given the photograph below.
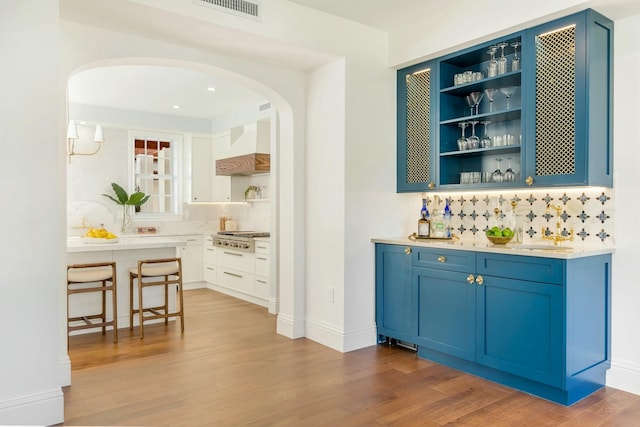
(424, 223)
(447, 219)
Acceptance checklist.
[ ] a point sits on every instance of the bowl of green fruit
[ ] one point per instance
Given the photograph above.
(499, 236)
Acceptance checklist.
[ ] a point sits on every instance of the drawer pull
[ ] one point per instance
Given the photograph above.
(261, 247)
(471, 279)
(442, 258)
(261, 281)
(233, 274)
(479, 280)
(407, 250)
(211, 268)
(234, 254)
(262, 259)
(211, 249)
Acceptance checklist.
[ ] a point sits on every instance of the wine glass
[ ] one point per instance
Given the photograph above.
(473, 142)
(497, 174)
(476, 97)
(502, 61)
(515, 62)
(492, 68)
(470, 103)
(485, 142)
(507, 92)
(490, 93)
(509, 174)
(462, 141)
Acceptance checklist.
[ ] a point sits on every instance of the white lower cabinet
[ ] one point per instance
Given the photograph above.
(191, 255)
(244, 275)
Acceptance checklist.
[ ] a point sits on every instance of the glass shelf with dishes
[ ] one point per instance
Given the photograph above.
(480, 115)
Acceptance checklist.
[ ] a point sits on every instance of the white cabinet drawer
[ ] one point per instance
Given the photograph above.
(210, 255)
(262, 246)
(263, 290)
(236, 260)
(237, 280)
(210, 274)
(262, 264)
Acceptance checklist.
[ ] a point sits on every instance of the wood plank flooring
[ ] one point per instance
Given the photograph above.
(230, 368)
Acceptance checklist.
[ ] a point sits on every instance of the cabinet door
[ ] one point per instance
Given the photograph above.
(569, 120)
(520, 328)
(201, 170)
(192, 261)
(416, 127)
(445, 308)
(393, 292)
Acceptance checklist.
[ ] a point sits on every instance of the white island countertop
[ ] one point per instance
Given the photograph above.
(543, 249)
(79, 244)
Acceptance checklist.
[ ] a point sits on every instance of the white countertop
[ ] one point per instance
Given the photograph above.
(565, 250)
(78, 244)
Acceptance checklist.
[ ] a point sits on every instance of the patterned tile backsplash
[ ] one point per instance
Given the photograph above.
(589, 211)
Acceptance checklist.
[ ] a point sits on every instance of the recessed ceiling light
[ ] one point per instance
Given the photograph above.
(211, 89)
(176, 107)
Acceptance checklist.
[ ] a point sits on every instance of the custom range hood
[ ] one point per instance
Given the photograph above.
(249, 151)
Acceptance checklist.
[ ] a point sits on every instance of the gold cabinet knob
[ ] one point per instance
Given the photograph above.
(432, 185)
(529, 180)
(442, 258)
(479, 280)
(471, 279)
(407, 250)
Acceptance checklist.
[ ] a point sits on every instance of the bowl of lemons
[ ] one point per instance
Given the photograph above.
(99, 235)
(499, 235)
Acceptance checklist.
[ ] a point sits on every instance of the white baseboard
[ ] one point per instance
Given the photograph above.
(624, 376)
(194, 285)
(289, 327)
(338, 339)
(240, 295)
(44, 408)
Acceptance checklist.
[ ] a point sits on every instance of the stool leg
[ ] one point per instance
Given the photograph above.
(166, 301)
(140, 306)
(130, 302)
(104, 306)
(114, 296)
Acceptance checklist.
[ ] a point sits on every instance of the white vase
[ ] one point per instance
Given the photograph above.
(127, 218)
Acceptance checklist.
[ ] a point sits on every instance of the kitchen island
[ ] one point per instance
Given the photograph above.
(126, 252)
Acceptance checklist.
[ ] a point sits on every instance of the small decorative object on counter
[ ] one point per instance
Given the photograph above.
(230, 224)
(127, 202)
(447, 219)
(424, 223)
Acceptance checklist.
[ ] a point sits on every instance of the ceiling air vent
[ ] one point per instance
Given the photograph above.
(248, 9)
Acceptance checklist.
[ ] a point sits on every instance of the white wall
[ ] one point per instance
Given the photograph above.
(31, 180)
(506, 16)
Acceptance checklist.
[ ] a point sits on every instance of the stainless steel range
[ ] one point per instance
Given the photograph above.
(238, 240)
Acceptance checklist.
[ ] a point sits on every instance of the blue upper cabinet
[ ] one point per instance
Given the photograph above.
(569, 64)
(531, 108)
(416, 110)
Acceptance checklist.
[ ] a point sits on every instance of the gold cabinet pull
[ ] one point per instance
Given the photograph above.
(471, 279)
(529, 180)
(407, 250)
(432, 185)
(479, 280)
(442, 258)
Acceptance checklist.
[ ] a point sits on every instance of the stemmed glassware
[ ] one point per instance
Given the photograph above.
(470, 103)
(473, 142)
(509, 174)
(497, 174)
(490, 93)
(462, 141)
(507, 92)
(515, 62)
(492, 68)
(502, 61)
(476, 97)
(485, 142)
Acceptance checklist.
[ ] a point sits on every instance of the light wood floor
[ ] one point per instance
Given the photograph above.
(231, 369)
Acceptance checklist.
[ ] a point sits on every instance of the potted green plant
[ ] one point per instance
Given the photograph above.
(127, 201)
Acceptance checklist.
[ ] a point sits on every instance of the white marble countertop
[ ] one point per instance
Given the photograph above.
(565, 250)
(78, 244)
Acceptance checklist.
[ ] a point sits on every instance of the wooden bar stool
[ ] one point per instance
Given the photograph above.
(156, 272)
(94, 277)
